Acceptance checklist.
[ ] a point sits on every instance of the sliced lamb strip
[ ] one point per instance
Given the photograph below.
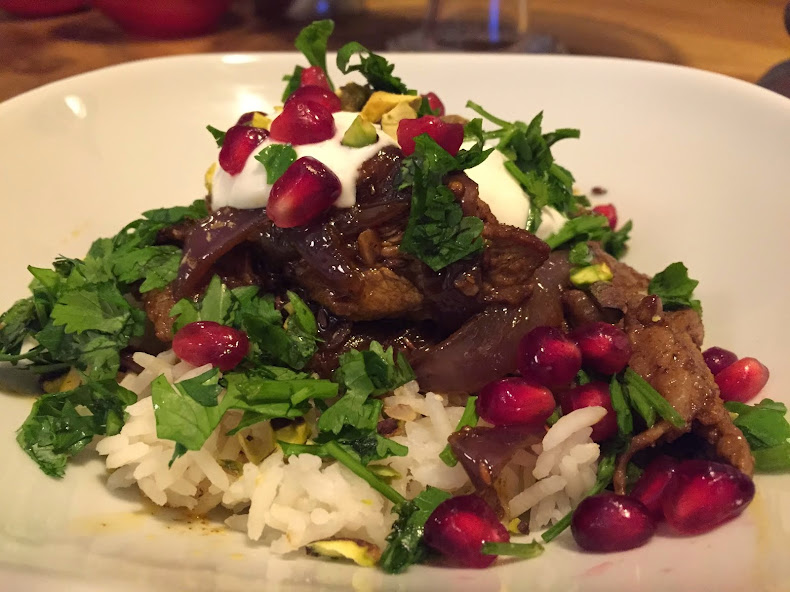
(672, 363)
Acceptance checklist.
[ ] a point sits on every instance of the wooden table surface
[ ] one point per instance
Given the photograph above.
(741, 38)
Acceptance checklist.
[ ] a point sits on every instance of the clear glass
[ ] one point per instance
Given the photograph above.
(475, 25)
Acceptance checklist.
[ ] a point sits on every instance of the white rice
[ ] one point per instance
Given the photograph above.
(288, 503)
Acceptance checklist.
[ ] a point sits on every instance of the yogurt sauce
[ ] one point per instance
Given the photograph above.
(249, 189)
(502, 193)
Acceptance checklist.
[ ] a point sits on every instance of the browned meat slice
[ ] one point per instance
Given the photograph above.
(672, 363)
(580, 308)
(157, 306)
(484, 348)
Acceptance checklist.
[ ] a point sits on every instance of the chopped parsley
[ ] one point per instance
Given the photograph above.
(767, 431)
(219, 135)
(437, 232)
(276, 158)
(675, 288)
(375, 68)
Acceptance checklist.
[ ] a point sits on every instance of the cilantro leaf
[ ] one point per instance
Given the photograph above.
(437, 232)
(312, 42)
(17, 322)
(469, 418)
(219, 135)
(625, 421)
(157, 265)
(99, 307)
(276, 158)
(636, 383)
(675, 288)
(375, 68)
(180, 414)
(362, 374)
(293, 81)
(580, 254)
(764, 425)
(215, 305)
(58, 427)
(405, 546)
(775, 459)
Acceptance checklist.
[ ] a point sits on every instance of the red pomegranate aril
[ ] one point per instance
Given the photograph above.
(704, 494)
(316, 95)
(515, 401)
(651, 485)
(303, 123)
(742, 380)
(607, 522)
(548, 357)
(435, 103)
(604, 347)
(240, 141)
(449, 136)
(207, 342)
(314, 76)
(593, 394)
(459, 526)
(609, 211)
(718, 359)
(305, 189)
(246, 118)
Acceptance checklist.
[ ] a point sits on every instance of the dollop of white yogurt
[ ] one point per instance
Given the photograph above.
(250, 188)
(507, 200)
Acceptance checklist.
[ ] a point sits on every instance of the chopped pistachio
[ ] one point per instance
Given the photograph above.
(257, 441)
(391, 119)
(297, 432)
(353, 96)
(66, 382)
(584, 276)
(208, 178)
(360, 552)
(380, 102)
(359, 134)
(259, 120)
(384, 472)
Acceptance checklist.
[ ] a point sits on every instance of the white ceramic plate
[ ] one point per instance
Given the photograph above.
(698, 161)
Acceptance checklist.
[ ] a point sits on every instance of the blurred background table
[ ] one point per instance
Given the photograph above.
(740, 38)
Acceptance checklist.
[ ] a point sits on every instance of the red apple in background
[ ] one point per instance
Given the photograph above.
(164, 18)
(39, 8)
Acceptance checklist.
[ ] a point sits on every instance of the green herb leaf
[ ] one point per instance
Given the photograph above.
(468, 419)
(180, 413)
(312, 42)
(364, 373)
(675, 288)
(764, 425)
(99, 308)
(404, 543)
(293, 81)
(641, 405)
(521, 550)
(158, 266)
(636, 383)
(625, 422)
(17, 322)
(62, 424)
(219, 135)
(375, 68)
(580, 254)
(276, 158)
(772, 460)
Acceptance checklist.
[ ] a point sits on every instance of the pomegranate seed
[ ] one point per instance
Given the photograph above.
(435, 103)
(704, 494)
(718, 359)
(302, 123)
(449, 136)
(742, 380)
(593, 394)
(548, 357)
(314, 76)
(305, 189)
(316, 95)
(459, 526)
(515, 401)
(605, 348)
(207, 342)
(608, 522)
(240, 141)
(651, 485)
(609, 211)
(246, 119)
